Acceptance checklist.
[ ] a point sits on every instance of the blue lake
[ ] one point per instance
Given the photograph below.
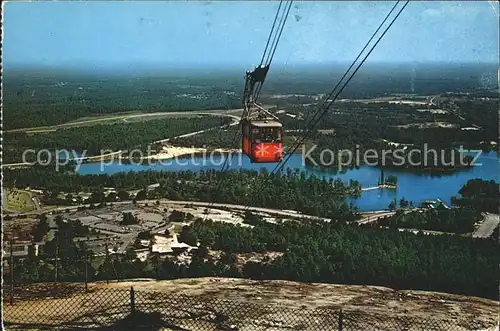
(415, 187)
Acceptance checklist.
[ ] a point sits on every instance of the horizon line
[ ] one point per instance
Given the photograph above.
(137, 65)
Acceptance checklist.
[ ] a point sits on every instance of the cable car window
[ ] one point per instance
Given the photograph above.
(278, 135)
(270, 135)
(267, 135)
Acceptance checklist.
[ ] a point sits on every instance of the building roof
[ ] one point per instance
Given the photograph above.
(267, 124)
(180, 245)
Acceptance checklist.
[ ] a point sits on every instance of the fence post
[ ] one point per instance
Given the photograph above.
(11, 271)
(107, 257)
(132, 300)
(86, 262)
(57, 256)
(341, 316)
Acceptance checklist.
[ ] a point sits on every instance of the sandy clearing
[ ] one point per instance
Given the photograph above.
(428, 125)
(173, 152)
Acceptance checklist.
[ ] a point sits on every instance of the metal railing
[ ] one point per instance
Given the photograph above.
(73, 308)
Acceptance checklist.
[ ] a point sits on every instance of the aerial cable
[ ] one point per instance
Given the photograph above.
(276, 39)
(322, 113)
(275, 35)
(298, 143)
(359, 55)
(270, 55)
(283, 20)
(279, 167)
(224, 168)
(271, 32)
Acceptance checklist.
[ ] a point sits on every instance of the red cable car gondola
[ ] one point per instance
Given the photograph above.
(263, 140)
(262, 132)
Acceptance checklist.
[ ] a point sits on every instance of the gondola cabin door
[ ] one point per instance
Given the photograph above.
(262, 140)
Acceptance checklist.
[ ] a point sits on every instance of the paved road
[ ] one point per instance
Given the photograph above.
(221, 113)
(279, 212)
(431, 102)
(287, 213)
(236, 121)
(428, 232)
(16, 164)
(217, 112)
(129, 238)
(35, 202)
(382, 213)
(487, 226)
(194, 203)
(375, 218)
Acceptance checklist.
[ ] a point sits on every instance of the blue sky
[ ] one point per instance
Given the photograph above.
(234, 32)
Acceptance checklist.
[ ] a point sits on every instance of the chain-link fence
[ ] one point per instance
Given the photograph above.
(73, 308)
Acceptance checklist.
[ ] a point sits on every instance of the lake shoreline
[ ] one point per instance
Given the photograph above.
(412, 186)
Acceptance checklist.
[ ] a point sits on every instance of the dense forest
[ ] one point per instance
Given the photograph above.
(351, 123)
(290, 190)
(404, 132)
(479, 194)
(334, 252)
(224, 138)
(455, 220)
(97, 138)
(48, 97)
(62, 97)
(483, 113)
(320, 252)
(353, 138)
(403, 123)
(311, 252)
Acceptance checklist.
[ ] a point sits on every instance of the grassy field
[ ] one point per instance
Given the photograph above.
(19, 200)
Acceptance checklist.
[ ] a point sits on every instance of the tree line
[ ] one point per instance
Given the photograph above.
(338, 253)
(96, 138)
(361, 127)
(479, 194)
(310, 252)
(288, 190)
(32, 99)
(454, 220)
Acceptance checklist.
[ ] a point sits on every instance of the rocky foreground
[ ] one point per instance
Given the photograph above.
(239, 304)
